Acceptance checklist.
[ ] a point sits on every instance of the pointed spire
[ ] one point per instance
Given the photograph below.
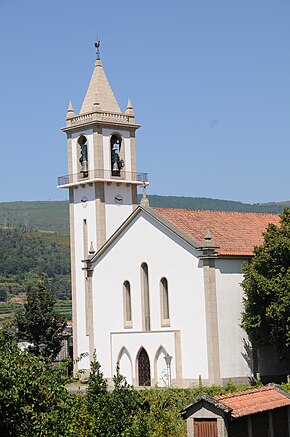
(99, 85)
(129, 109)
(70, 112)
(144, 201)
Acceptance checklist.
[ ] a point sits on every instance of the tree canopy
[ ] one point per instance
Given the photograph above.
(266, 316)
(40, 324)
(33, 399)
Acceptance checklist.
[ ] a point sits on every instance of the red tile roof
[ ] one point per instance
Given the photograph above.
(254, 401)
(236, 233)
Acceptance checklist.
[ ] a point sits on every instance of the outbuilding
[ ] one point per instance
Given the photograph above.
(259, 412)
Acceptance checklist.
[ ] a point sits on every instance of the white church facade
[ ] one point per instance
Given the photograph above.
(150, 283)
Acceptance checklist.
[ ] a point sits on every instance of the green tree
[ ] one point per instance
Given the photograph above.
(266, 315)
(97, 400)
(40, 324)
(33, 399)
(123, 406)
(111, 412)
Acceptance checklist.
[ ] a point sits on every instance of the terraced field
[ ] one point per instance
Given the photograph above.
(9, 309)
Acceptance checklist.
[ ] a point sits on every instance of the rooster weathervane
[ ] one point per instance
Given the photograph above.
(97, 45)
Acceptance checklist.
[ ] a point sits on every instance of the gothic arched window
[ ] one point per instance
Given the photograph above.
(127, 304)
(164, 302)
(145, 297)
(83, 144)
(116, 162)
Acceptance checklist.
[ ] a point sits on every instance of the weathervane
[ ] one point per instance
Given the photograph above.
(97, 45)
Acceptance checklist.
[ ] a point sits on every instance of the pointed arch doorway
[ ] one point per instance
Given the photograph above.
(144, 374)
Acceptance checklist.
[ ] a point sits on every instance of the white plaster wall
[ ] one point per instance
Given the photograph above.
(88, 133)
(162, 372)
(117, 214)
(81, 213)
(126, 368)
(232, 338)
(146, 241)
(107, 133)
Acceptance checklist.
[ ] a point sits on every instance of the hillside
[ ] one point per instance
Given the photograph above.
(28, 253)
(54, 215)
(44, 215)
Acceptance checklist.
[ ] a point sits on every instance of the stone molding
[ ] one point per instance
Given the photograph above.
(103, 118)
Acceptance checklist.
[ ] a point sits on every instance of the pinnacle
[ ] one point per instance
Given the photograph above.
(70, 111)
(129, 109)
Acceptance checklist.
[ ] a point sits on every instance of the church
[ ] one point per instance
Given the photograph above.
(157, 290)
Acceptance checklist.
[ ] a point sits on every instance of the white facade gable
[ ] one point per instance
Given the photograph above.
(145, 240)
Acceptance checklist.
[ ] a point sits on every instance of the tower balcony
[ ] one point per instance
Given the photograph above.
(101, 175)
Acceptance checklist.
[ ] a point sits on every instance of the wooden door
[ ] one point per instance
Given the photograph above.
(205, 428)
(144, 368)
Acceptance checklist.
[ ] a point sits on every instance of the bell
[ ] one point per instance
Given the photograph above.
(85, 166)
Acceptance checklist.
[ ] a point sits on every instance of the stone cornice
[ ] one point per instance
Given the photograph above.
(102, 118)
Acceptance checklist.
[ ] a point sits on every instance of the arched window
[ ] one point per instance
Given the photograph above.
(164, 302)
(116, 162)
(127, 305)
(145, 297)
(83, 144)
(144, 374)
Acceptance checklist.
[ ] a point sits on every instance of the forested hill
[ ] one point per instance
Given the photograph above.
(44, 215)
(54, 215)
(26, 254)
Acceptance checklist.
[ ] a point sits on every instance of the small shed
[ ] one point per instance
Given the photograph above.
(259, 412)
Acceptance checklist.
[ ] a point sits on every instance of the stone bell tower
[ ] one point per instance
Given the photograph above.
(102, 182)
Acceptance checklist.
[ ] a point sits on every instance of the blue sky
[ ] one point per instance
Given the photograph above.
(209, 81)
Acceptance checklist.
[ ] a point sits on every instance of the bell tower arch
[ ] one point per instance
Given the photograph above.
(102, 181)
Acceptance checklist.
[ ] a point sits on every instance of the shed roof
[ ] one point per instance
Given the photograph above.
(254, 401)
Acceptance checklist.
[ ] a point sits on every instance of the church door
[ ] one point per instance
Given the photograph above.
(144, 377)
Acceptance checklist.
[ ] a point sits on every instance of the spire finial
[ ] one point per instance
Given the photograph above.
(144, 200)
(91, 249)
(207, 236)
(97, 45)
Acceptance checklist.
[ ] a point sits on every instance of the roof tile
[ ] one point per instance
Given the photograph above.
(254, 401)
(235, 233)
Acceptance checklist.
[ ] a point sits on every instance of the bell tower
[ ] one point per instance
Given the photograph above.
(102, 182)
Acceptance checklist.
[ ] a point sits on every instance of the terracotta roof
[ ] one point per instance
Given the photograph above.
(254, 401)
(235, 233)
